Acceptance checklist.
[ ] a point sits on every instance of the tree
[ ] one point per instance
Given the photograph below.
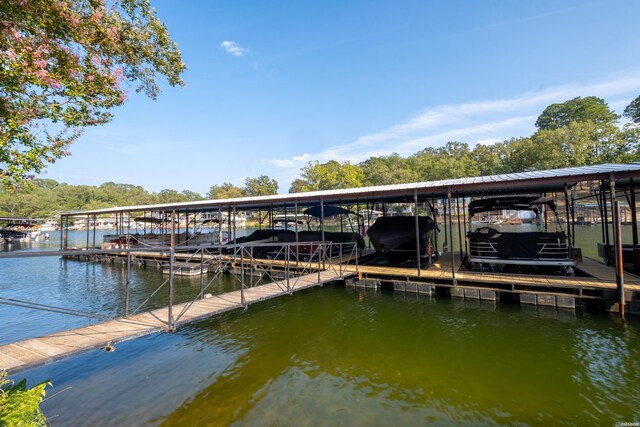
(489, 158)
(297, 186)
(261, 186)
(63, 67)
(631, 136)
(589, 109)
(385, 170)
(225, 191)
(191, 196)
(632, 112)
(330, 176)
(454, 160)
(170, 196)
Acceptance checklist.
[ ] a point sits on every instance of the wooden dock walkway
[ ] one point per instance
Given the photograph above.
(440, 273)
(37, 351)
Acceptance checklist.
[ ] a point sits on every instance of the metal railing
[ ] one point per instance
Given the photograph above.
(249, 264)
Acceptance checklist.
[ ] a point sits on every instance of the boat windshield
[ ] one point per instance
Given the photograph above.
(518, 213)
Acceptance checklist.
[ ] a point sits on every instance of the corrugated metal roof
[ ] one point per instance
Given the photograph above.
(544, 180)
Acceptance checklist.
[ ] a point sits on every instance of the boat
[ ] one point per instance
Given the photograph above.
(51, 224)
(267, 243)
(20, 230)
(536, 248)
(395, 237)
(10, 235)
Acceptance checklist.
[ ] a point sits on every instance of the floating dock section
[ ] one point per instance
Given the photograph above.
(37, 351)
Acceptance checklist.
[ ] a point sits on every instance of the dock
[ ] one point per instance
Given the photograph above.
(33, 352)
(560, 291)
(610, 187)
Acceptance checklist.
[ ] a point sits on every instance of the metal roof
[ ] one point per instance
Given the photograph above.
(521, 182)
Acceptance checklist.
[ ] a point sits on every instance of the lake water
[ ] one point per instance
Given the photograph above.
(326, 356)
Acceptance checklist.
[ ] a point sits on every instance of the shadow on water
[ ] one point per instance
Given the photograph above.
(336, 356)
(345, 356)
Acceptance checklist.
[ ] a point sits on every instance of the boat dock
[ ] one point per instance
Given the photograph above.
(272, 261)
(559, 291)
(33, 352)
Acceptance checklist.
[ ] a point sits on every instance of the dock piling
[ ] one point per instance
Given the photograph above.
(127, 284)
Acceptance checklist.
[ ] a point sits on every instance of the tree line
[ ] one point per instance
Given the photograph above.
(578, 132)
(45, 196)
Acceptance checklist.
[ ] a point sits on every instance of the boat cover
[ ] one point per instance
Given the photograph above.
(510, 203)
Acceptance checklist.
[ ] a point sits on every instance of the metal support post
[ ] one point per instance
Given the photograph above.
(243, 301)
(634, 213)
(322, 217)
(322, 247)
(171, 263)
(568, 213)
(234, 225)
(453, 263)
(201, 273)
(320, 255)
(220, 227)
(417, 225)
(127, 284)
(63, 243)
(619, 260)
(459, 226)
(251, 267)
(287, 266)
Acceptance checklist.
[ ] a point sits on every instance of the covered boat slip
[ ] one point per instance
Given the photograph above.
(435, 263)
(609, 187)
(538, 248)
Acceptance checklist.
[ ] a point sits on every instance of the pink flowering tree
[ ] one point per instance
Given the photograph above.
(64, 64)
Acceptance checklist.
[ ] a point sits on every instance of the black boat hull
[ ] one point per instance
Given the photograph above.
(395, 237)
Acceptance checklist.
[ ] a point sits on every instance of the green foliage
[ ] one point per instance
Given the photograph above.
(490, 159)
(297, 186)
(589, 109)
(20, 406)
(225, 191)
(454, 160)
(632, 112)
(63, 66)
(261, 186)
(46, 196)
(331, 175)
(385, 170)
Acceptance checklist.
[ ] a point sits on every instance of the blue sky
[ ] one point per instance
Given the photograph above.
(273, 85)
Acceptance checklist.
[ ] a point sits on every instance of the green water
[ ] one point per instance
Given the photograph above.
(327, 356)
(341, 356)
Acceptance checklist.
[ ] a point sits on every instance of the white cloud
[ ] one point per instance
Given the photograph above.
(480, 122)
(233, 48)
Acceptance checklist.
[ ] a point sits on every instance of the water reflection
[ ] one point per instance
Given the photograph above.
(336, 356)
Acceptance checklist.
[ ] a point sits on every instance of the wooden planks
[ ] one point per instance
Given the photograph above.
(604, 277)
(604, 272)
(37, 351)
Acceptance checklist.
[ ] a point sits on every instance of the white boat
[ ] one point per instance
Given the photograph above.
(51, 224)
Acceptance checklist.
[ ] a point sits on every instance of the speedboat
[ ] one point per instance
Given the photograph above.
(395, 237)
